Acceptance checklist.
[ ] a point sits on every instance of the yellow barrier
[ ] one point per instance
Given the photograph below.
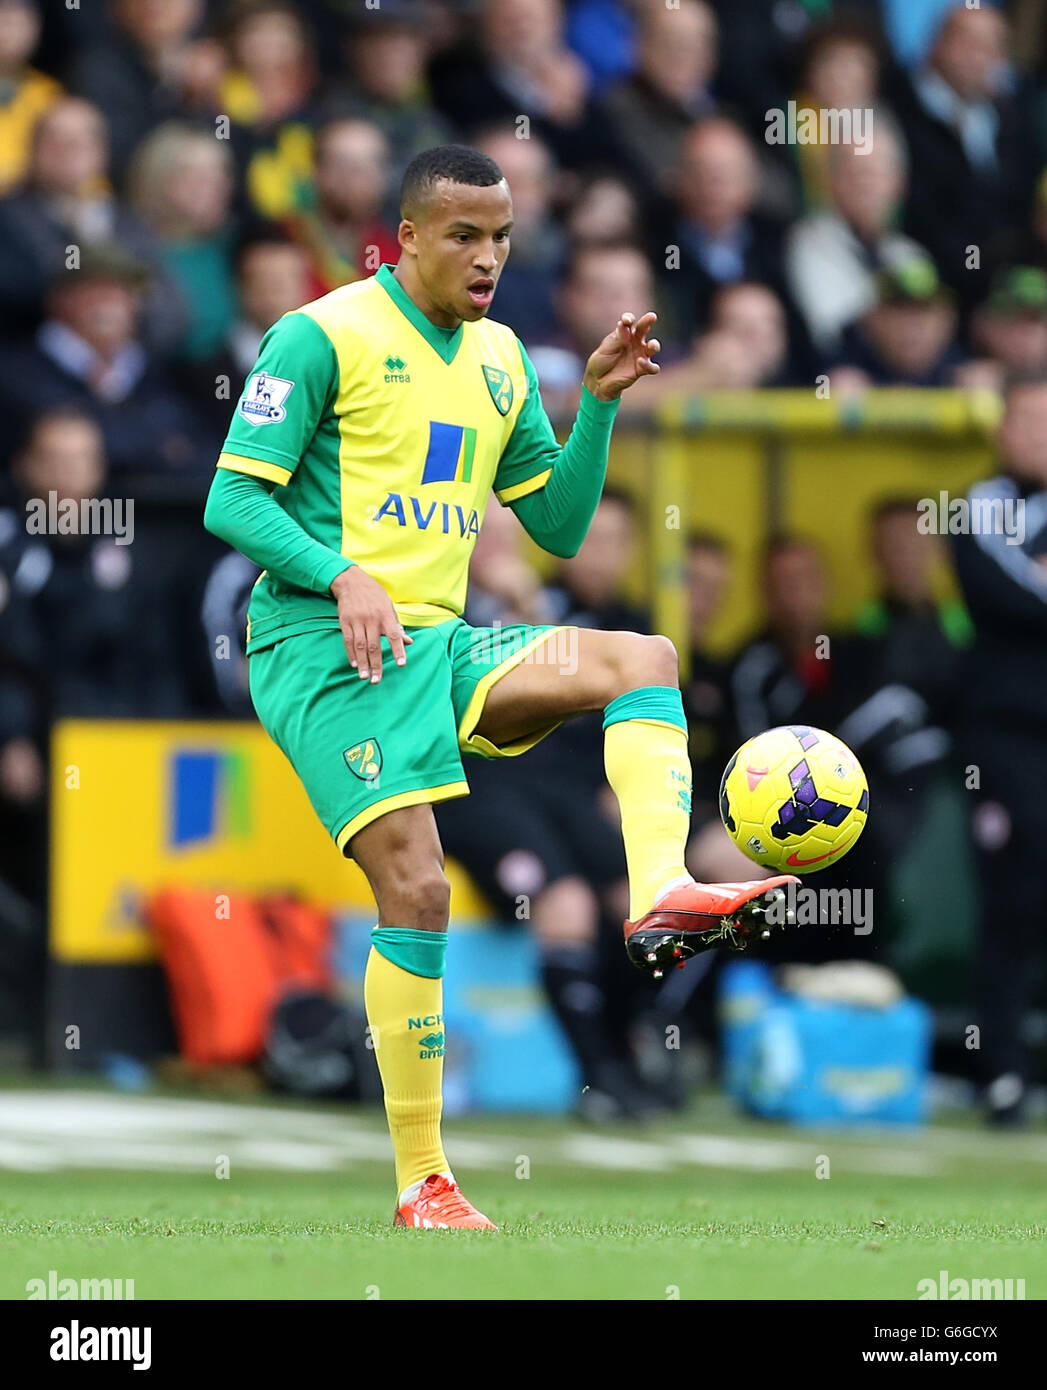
(745, 464)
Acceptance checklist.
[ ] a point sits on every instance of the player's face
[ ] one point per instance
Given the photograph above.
(460, 244)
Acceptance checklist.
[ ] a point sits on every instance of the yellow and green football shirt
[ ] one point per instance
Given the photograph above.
(386, 435)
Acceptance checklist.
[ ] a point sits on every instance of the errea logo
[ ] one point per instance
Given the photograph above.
(395, 369)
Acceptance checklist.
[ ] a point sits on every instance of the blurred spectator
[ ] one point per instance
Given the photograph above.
(839, 71)
(1002, 736)
(66, 201)
(269, 92)
(745, 346)
(964, 135)
(909, 337)
(799, 670)
(144, 71)
(796, 671)
(601, 282)
(533, 835)
(25, 93)
(705, 692)
(84, 616)
(342, 229)
(181, 186)
(916, 637)
(712, 856)
(272, 279)
(650, 111)
(387, 50)
(520, 66)
(88, 353)
(750, 321)
(1010, 329)
(832, 256)
(605, 208)
(712, 234)
(527, 285)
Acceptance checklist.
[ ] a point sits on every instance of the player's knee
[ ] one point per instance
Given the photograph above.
(662, 659)
(642, 660)
(420, 898)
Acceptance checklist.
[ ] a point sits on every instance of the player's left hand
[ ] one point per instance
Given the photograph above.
(623, 357)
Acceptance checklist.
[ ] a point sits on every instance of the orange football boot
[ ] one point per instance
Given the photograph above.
(441, 1204)
(697, 916)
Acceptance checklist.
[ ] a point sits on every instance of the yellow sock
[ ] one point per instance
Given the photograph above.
(405, 1013)
(648, 768)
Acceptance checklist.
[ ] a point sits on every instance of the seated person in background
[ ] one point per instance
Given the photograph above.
(386, 49)
(26, 92)
(597, 277)
(650, 111)
(915, 635)
(181, 186)
(84, 613)
(605, 211)
(272, 278)
(65, 200)
(1009, 330)
(535, 833)
(800, 671)
(714, 222)
(706, 702)
(909, 336)
(89, 353)
(339, 220)
(527, 286)
(833, 254)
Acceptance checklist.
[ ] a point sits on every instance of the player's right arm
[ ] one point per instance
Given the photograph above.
(290, 389)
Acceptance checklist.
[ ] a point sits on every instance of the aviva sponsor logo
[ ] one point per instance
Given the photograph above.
(210, 796)
(441, 517)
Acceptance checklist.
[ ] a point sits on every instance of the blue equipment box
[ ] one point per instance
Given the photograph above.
(812, 1062)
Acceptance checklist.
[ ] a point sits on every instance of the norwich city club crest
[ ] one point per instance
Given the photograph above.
(501, 388)
(364, 759)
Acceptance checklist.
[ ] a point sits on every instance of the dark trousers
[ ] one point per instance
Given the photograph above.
(1009, 823)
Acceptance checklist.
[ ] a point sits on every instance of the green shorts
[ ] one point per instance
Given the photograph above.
(362, 750)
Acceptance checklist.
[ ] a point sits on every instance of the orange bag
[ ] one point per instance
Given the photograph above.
(223, 973)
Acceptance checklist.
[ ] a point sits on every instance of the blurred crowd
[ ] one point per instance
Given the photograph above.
(176, 174)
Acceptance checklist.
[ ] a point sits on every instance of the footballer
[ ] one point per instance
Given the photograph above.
(372, 430)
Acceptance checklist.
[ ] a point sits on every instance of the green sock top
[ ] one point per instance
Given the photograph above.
(418, 952)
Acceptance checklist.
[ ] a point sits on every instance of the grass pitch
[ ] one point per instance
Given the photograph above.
(704, 1207)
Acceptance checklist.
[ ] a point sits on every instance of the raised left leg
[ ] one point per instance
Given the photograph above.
(634, 680)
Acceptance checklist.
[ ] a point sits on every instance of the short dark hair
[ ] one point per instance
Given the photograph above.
(456, 163)
(894, 505)
(706, 540)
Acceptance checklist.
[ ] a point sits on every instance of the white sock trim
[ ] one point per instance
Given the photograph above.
(678, 882)
(410, 1193)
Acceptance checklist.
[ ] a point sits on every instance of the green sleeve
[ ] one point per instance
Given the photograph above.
(553, 490)
(241, 511)
(288, 391)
